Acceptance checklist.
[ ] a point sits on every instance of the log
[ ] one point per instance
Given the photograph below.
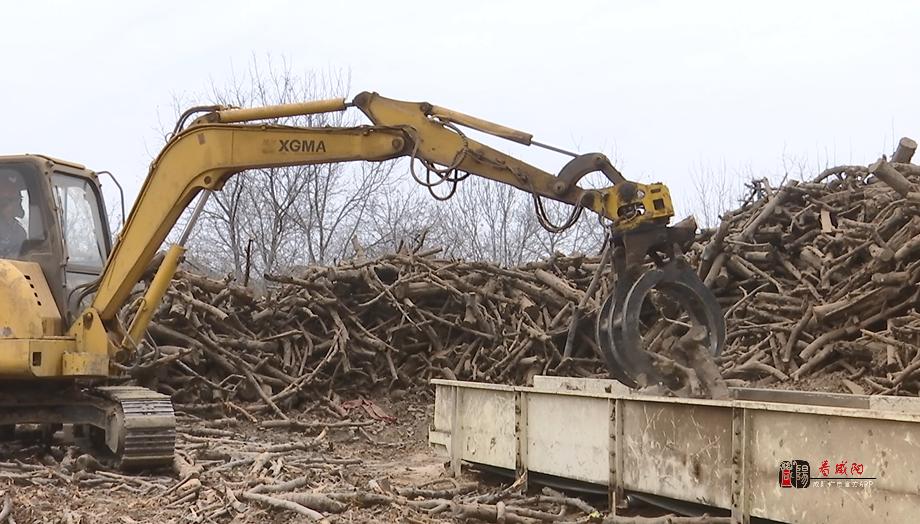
(7, 509)
(582, 304)
(905, 151)
(713, 248)
(715, 270)
(285, 505)
(890, 176)
(894, 278)
(908, 249)
(738, 268)
(314, 501)
(767, 210)
(559, 285)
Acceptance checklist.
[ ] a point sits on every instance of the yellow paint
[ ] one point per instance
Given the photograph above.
(90, 334)
(28, 309)
(655, 199)
(25, 358)
(203, 158)
(155, 293)
(312, 107)
(84, 365)
(482, 125)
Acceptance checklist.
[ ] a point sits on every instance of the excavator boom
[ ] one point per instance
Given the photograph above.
(203, 157)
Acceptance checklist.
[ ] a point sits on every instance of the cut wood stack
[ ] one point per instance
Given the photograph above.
(817, 280)
(390, 323)
(821, 276)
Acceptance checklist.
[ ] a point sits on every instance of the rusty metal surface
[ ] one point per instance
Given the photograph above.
(722, 453)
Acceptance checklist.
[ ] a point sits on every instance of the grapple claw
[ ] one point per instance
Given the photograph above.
(619, 328)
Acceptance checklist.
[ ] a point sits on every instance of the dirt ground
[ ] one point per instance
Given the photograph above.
(367, 460)
(53, 483)
(362, 460)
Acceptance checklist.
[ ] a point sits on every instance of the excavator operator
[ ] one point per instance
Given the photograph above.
(12, 234)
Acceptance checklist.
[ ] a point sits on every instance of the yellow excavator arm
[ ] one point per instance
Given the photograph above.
(226, 141)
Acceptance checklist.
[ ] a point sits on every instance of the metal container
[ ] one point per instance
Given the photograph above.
(788, 456)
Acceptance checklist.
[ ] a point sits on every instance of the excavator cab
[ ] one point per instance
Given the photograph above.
(52, 214)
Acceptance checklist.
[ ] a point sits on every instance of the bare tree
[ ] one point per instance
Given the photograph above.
(715, 191)
(498, 223)
(338, 204)
(293, 215)
(585, 236)
(275, 219)
(404, 218)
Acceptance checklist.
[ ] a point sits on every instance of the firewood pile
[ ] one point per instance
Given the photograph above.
(820, 277)
(390, 323)
(817, 280)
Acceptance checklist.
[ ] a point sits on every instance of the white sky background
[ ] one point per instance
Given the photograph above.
(662, 87)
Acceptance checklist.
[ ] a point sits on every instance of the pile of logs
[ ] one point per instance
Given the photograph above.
(816, 278)
(391, 323)
(822, 275)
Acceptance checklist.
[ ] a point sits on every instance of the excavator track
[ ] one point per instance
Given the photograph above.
(141, 429)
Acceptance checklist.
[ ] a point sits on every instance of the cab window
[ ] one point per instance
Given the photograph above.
(21, 227)
(81, 221)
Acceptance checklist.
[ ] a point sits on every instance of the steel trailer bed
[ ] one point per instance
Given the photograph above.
(728, 454)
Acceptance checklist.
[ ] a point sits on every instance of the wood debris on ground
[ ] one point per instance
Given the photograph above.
(318, 468)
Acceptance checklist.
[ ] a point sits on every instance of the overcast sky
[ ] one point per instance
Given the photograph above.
(663, 87)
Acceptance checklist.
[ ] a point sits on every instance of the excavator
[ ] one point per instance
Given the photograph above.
(65, 279)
